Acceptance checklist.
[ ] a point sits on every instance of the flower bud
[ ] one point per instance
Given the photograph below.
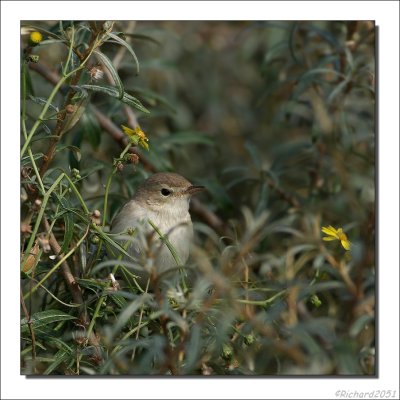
(94, 239)
(70, 109)
(120, 166)
(95, 217)
(35, 38)
(132, 158)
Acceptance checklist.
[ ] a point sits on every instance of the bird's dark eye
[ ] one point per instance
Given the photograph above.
(165, 192)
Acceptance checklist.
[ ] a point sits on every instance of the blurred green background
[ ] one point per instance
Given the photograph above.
(277, 120)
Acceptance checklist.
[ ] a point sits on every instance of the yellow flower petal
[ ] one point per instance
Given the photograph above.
(137, 136)
(345, 244)
(330, 231)
(328, 238)
(334, 234)
(128, 131)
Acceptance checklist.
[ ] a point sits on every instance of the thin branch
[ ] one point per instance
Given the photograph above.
(284, 196)
(65, 270)
(116, 133)
(73, 287)
(31, 330)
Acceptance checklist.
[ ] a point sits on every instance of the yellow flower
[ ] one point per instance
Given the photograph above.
(336, 234)
(137, 136)
(35, 37)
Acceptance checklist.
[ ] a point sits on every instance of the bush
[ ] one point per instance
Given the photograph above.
(276, 119)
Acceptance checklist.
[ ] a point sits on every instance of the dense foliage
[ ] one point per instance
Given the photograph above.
(276, 120)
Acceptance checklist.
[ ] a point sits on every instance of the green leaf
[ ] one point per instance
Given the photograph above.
(254, 153)
(43, 318)
(60, 344)
(360, 324)
(60, 357)
(72, 119)
(114, 244)
(118, 300)
(153, 98)
(126, 314)
(93, 283)
(42, 101)
(29, 85)
(113, 92)
(127, 46)
(69, 225)
(75, 150)
(107, 62)
(134, 102)
(91, 129)
(141, 36)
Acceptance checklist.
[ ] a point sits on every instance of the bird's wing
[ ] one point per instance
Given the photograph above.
(119, 222)
(129, 217)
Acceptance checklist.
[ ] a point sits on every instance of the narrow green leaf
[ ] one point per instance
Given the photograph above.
(60, 357)
(29, 85)
(130, 309)
(254, 153)
(360, 324)
(134, 102)
(113, 92)
(91, 129)
(43, 318)
(107, 62)
(72, 119)
(74, 149)
(60, 344)
(127, 46)
(92, 283)
(114, 244)
(108, 90)
(69, 225)
(42, 101)
(141, 36)
(118, 300)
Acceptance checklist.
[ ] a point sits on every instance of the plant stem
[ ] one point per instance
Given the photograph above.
(31, 330)
(262, 302)
(61, 261)
(39, 218)
(108, 184)
(140, 321)
(45, 108)
(173, 251)
(71, 45)
(23, 118)
(95, 315)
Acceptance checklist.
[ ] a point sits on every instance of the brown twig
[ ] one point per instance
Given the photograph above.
(341, 268)
(285, 196)
(31, 330)
(73, 286)
(116, 133)
(58, 130)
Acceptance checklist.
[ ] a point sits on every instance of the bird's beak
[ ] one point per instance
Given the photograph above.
(195, 189)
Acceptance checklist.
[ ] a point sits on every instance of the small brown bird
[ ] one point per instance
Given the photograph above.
(162, 201)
